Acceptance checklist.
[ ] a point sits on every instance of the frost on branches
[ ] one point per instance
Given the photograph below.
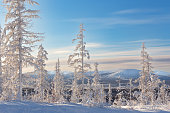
(77, 60)
(41, 73)
(18, 43)
(97, 89)
(148, 82)
(58, 82)
(75, 96)
(0, 60)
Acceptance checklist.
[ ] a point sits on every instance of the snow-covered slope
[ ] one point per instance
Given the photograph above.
(162, 73)
(30, 107)
(126, 73)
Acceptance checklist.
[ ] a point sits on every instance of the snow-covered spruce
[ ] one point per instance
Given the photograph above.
(0, 60)
(18, 43)
(98, 89)
(41, 90)
(77, 60)
(148, 82)
(58, 88)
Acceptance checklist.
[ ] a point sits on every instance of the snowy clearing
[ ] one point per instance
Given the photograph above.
(30, 107)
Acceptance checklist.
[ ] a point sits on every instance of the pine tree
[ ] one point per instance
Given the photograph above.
(153, 85)
(103, 95)
(0, 51)
(0, 61)
(10, 83)
(120, 99)
(41, 73)
(130, 92)
(110, 94)
(75, 96)
(77, 60)
(96, 75)
(18, 40)
(163, 94)
(119, 84)
(97, 87)
(145, 74)
(88, 96)
(148, 81)
(58, 85)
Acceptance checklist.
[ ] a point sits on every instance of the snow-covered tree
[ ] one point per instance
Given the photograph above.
(10, 83)
(96, 75)
(18, 39)
(153, 85)
(96, 85)
(130, 87)
(88, 96)
(0, 51)
(103, 94)
(130, 91)
(148, 81)
(77, 60)
(145, 74)
(120, 99)
(119, 84)
(162, 94)
(98, 89)
(0, 61)
(75, 95)
(110, 94)
(41, 73)
(58, 85)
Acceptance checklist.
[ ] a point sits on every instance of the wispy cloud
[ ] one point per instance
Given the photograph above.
(118, 18)
(146, 40)
(112, 20)
(66, 51)
(156, 46)
(94, 45)
(107, 21)
(110, 59)
(127, 11)
(116, 53)
(132, 11)
(133, 62)
(63, 50)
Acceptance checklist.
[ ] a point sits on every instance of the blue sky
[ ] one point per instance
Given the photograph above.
(114, 32)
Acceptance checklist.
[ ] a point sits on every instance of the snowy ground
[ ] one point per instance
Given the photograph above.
(29, 107)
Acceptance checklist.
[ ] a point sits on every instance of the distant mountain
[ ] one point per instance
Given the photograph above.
(112, 76)
(125, 74)
(162, 73)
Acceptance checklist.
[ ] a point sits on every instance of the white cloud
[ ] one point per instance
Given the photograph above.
(70, 49)
(58, 51)
(113, 20)
(119, 19)
(132, 11)
(127, 11)
(116, 53)
(94, 45)
(110, 59)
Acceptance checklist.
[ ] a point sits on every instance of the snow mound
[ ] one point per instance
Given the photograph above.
(30, 107)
